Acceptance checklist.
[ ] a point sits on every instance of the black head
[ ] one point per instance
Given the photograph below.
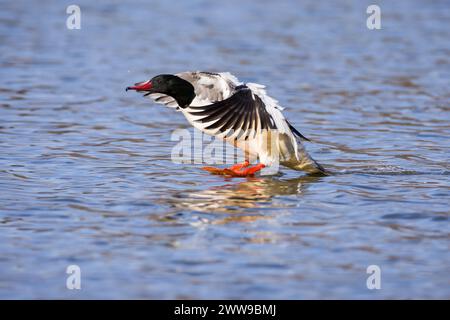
(179, 89)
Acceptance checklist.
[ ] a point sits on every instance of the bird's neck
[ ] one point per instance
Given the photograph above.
(184, 100)
(183, 92)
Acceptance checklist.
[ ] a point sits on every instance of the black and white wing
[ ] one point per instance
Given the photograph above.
(243, 115)
(241, 112)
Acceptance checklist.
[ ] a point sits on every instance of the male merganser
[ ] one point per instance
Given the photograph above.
(243, 114)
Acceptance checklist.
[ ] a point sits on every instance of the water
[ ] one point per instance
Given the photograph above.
(86, 176)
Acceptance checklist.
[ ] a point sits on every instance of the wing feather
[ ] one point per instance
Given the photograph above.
(243, 111)
(210, 87)
(163, 99)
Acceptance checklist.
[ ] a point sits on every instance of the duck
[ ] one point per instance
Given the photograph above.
(243, 114)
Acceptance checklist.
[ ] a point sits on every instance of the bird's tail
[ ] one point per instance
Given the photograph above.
(306, 163)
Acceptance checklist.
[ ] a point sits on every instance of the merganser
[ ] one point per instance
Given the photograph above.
(218, 104)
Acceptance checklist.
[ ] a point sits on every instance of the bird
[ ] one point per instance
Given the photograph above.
(242, 114)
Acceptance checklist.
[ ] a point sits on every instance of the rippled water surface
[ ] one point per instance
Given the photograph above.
(86, 176)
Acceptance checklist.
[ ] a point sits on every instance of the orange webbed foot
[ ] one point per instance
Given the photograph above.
(248, 172)
(238, 170)
(214, 170)
(239, 166)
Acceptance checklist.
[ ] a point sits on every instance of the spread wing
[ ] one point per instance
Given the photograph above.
(244, 114)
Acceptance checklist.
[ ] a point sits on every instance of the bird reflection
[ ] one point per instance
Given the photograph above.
(239, 200)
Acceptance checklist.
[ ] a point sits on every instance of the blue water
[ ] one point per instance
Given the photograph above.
(86, 176)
